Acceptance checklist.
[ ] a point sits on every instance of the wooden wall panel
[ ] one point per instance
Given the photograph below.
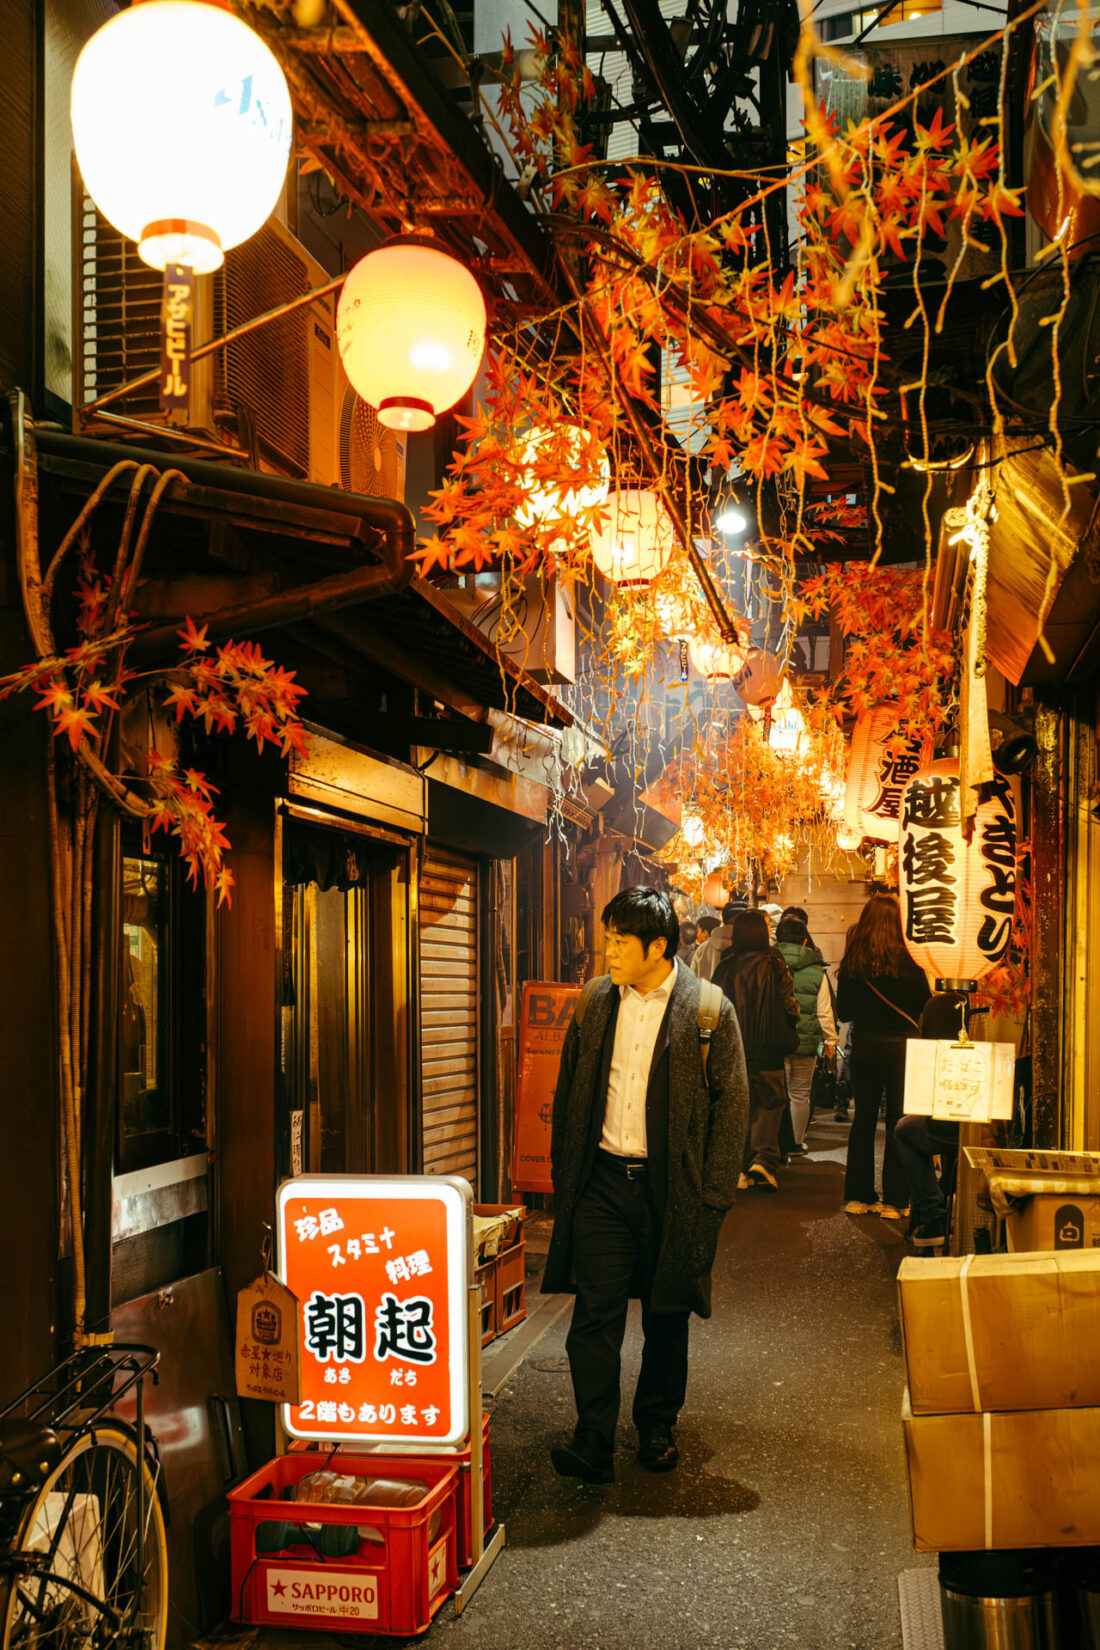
(18, 188)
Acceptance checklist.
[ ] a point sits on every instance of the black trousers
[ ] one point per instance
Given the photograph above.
(616, 1237)
(878, 1070)
(919, 1140)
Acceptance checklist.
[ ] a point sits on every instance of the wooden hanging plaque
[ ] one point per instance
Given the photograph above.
(269, 1337)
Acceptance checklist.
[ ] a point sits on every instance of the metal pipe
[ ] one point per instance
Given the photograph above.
(216, 344)
(388, 516)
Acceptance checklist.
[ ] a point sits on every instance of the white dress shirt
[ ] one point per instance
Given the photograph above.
(636, 1031)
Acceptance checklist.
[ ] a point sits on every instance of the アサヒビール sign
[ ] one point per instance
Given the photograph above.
(545, 1012)
(381, 1267)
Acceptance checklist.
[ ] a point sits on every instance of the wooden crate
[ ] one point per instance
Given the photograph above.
(512, 1286)
(486, 1279)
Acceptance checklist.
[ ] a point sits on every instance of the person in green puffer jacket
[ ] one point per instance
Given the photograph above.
(816, 1023)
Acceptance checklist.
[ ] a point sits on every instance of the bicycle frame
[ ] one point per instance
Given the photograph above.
(85, 1379)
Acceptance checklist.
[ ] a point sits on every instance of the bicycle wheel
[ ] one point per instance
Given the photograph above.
(85, 1518)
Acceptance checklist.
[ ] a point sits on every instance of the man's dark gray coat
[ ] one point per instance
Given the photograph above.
(695, 1138)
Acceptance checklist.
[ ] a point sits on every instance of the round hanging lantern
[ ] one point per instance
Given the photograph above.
(758, 681)
(957, 897)
(638, 540)
(182, 127)
(849, 842)
(575, 451)
(411, 329)
(787, 727)
(692, 830)
(715, 891)
(717, 661)
(876, 778)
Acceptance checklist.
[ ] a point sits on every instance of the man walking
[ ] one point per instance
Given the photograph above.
(646, 1145)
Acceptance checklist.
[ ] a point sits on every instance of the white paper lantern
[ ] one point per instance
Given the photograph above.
(638, 540)
(692, 830)
(182, 126)
(788, 726)
(849, 842)
(410, 325)
(759, 680)
(957, 897)
(717, 661)
(577, 451)
(876, 779)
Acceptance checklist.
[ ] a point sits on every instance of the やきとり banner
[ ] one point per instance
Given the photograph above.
(381, 1267)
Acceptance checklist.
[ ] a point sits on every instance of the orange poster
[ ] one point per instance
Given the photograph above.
(381, 1266)
(545, 1012)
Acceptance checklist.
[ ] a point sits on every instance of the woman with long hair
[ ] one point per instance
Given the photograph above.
(758, 983)
(882, 991)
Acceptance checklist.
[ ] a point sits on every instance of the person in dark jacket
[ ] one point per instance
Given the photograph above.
(644, 1151)
(920, 1140)
(758, 983)
(816, 1027)
(882, 991)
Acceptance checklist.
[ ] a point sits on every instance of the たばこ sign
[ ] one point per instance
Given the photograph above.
(381, 1266)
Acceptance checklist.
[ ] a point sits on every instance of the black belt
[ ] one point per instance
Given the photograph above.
(631, 1168)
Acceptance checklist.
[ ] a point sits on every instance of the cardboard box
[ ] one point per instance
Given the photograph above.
(1001, 1332)
(1023, 1478)
(1054, 1221)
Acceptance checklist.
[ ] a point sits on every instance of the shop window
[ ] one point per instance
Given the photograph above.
(160, 1013)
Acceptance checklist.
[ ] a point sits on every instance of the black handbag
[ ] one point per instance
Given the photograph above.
(823, 1084)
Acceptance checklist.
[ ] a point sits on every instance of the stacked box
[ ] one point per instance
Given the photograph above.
(1002, 1412)
(501, 1272)
(392, 1581)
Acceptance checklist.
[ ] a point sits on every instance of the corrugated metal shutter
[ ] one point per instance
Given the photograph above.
(449, 1011)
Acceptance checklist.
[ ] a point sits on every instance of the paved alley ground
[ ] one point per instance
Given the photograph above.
(786, 1522)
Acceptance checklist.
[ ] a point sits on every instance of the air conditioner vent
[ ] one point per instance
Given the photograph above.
(267, 371)
(372, 457)
(118, 331)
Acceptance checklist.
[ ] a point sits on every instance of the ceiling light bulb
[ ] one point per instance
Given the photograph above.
(731, 521)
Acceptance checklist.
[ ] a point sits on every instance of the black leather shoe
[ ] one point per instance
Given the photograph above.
(578, 1460)
(656, 1450)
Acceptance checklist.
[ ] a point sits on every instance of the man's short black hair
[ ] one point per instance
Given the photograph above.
(646, 913)
(798, 911)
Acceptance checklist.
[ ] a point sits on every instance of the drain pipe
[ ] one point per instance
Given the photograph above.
(361, 584)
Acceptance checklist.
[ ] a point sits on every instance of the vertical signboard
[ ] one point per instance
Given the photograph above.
(545, 1012)
(381, 1265)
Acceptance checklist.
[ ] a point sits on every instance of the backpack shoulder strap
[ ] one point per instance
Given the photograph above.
(711, 998)
(587, 991)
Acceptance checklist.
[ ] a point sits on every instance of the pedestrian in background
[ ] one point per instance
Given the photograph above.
(711, 951)
(689, 939)
(882, 991)
(758, 983)
(816, 1026)
(645, 1148)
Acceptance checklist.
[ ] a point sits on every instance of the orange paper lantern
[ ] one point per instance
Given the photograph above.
(717, 661)
(638, 540)
(957, 897)
(715, 891)
(876, 779)
(411, 330)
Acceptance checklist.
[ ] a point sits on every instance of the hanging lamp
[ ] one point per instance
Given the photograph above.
(638, 540)
(182, 127)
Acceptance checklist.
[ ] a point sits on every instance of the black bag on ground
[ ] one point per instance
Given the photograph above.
(823, 1091)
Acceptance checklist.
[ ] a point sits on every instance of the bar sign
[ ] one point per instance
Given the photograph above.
(176, 316)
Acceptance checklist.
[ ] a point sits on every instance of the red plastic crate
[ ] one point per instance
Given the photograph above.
(393, 1586)
(464, 1534)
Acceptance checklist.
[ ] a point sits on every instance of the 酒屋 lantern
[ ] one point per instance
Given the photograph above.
(957, 897)
(410, 325)
(715, 891)
(638, 540)
(876, 779)
(759, 680)
(182, 127)
(549, 499)
(717, 661)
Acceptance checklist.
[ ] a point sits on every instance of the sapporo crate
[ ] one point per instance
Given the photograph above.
(461, 1458)
(392, 1585)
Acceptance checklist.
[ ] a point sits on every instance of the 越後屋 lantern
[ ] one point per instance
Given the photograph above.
(715, 892)
(550, 498)
(759, 680)
(638, 540)
(410, 325)
(717, 661)
(957, 897)
(182, 128)
(876, 778)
